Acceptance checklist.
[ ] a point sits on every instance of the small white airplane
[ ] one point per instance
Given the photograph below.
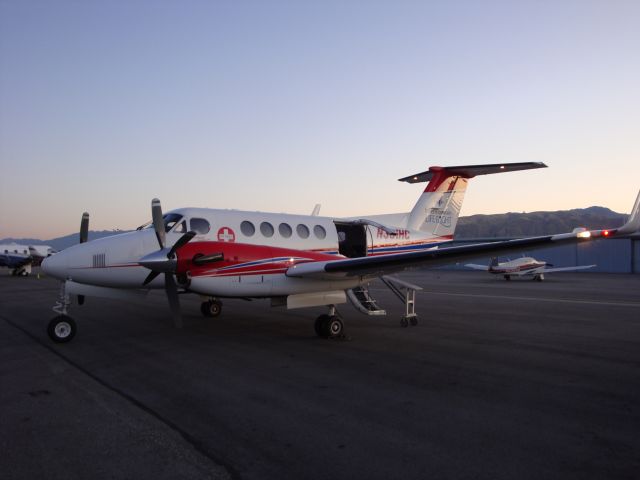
(19, 258)
(294, 260)
(524, 266)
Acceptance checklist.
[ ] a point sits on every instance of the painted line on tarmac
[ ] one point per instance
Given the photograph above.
(533, 299)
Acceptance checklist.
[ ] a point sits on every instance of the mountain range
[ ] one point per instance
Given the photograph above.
(502, 225)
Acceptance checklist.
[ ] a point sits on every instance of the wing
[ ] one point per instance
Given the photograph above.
(385, 264)
(475, 266)
(566, 269)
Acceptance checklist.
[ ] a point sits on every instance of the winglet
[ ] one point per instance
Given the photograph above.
(633, 224)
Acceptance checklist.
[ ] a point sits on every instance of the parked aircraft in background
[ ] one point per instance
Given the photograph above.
(523, 266)
(19, 258)
(294, 260)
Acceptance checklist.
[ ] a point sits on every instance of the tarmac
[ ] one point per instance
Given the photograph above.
(499, 380)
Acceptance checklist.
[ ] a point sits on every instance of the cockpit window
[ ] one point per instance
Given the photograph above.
(170, 220)
(181, 228)
(199, 225)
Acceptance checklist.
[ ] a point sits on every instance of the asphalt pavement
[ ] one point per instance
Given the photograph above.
(499, 380)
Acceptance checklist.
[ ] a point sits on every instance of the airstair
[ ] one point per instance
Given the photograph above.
(405, 291)
(363, 302)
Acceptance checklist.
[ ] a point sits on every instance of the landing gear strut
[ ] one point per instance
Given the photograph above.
(211, 308)
(329, 326)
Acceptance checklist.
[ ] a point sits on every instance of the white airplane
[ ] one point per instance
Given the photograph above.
(524, 266)
(19, 258)
(294, 260)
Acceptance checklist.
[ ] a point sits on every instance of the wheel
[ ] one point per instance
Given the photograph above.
(211, 308)
(413, 321)
(62, 329)
(507, 277)
(318, 325)
(333, 327)
(404, 322)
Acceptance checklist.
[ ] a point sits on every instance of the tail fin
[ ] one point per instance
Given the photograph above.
(438, 208)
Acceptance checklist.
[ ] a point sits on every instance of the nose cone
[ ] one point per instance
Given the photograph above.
(56, 266)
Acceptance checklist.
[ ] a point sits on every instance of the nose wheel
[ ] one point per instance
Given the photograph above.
(62, 329)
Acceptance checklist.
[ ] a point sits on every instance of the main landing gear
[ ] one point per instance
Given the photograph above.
(329, 325)
(62, 328)
(211, 307)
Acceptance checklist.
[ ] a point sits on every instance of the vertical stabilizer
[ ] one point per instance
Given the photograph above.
(438, 208)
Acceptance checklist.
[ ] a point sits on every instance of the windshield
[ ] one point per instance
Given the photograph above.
(170, 221)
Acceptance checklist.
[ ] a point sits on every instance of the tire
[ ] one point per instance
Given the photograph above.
(404, 322)
(62, 329)
(413, 321)
(211, 308)
(319, 325)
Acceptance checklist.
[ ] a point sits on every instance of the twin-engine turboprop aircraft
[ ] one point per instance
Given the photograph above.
(525, 266)
(295, 260)
(19, 258)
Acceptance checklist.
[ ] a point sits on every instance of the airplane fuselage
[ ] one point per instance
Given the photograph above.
(258, 249)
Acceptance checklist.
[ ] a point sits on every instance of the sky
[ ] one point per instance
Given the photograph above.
(276, 106)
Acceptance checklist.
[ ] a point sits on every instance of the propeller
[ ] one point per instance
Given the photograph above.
(165, 261)
(84, 228)
(84, 235)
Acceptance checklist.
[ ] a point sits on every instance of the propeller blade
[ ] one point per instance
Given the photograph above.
(158, 222)
(84, 227)
(183, 240)
(150, 277)
(172, 296)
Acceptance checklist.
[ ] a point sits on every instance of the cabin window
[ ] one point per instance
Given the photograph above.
(303, 231)
(199, 225)
(319, 231)
(247, 228)
(285, 230)
(266, 229)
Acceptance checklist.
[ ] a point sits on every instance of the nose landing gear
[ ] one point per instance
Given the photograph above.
(62, 328)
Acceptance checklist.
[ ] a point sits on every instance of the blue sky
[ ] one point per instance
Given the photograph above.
(277, 106)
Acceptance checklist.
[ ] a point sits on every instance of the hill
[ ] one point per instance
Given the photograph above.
(537, 223)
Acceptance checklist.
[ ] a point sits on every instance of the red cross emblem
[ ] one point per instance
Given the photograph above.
(225, 234)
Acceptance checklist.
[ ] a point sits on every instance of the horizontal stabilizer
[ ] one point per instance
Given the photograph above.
(470, 171)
